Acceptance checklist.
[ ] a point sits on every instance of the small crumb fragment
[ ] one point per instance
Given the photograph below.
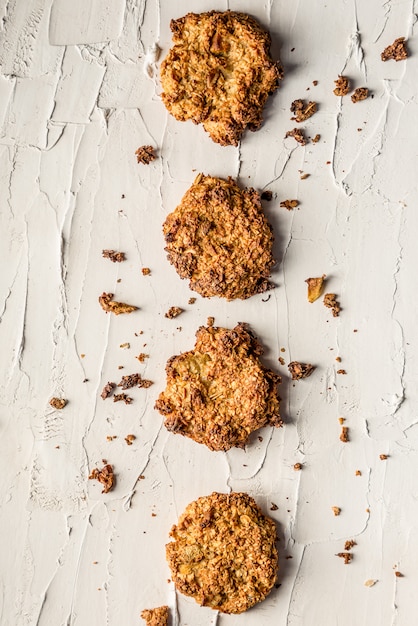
(210, 321)
(122, 397)
(341, 372)
(192, 300)
(110, 306)
(344, 434)
(314, 83)
(396, 51)
(361, 93)
(303, 176)
(142, 356)
(105, 477)
(156, 617)
(134, 380)
(146, 271)
(129, 439)
(108, 390)
(145, 154)
(350, 543)
(342, 86)
(112, 255)
(173, 311)
(267, 195)
(338, 359)
(125, 346)
(58, 403)
(281, 360)
(273, 507)
(398, 574)
(383, 457)
(336, 510)
(282, 349)
(298, 135)
(370, 582)
(315, 286)
(297, 467)
(300, 370)
(341, 420)
(302, 111)
(347, 556)
(358, 473)
(316, 138)
(289, 204)
(331, 303)
(111, 437)
(260, 438)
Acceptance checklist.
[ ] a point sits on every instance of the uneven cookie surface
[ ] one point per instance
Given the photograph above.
(219, 238)
(219, 393)
(219, 73)
(224, 553)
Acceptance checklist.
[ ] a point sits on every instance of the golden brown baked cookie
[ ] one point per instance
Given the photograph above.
(219, 393)
(224, 553)
(219, 238)
(156, 617)
(219, 73)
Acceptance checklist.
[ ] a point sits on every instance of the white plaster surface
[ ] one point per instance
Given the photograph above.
(79, 92)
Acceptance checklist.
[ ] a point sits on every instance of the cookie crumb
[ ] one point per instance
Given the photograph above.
(125, 346)
(108, 390)
(341, 420)
(134, 380)
(281, 360)
(110, 306)
(396, 51)
(338, 359)
(122, 397)
(303, 176)
(267, 195)
(297, 467)
(347, 556)
(142, 356)
(210, 321)
(146, 271)
(316, 138)
(342, 86)
(302, 111)
(300, 370)
(370, 582)
(331, 303)
(114, 256)
(105, 476)
(315, 287)
(344, 434)
(298, 135)
(358, 473)
(274, 507)
(173, 311)
(192, 300)
(130, 439)
(58, 403)
(398, 574)
(341, 372)
(336, 510)
(349, 544)
(145, 154)
(383, 457)
(289, 204)
(361, 93)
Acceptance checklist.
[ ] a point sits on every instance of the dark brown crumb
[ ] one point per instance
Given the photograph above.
(260, 438)
(331, 303)
(267, 195)
(108, 390)
(281, 360)
(338, 359)
(398, 574)
(105, 476)
(347, 556)
(302, 111)
(192, 300)
(396, 51)
(146, 271)
(129, 439)
(336, 510)
(358, 473)
(304, 176)
(361, 93)
(122, 397)
(111, 437)
(58, 403)
(273, 507)
(210, 321)
(300, 370)
(134, 380)
(141, 357)
(314, 83)
(344, 434)
(316, 138)
(173, 311)
(115, 257)
(315, 286)
(350, 543)
(298, 135)
(383, 457)
(145, 154)
(341, 372)
(289, 204)
(342, 86)
(110, 306)
(297, 467)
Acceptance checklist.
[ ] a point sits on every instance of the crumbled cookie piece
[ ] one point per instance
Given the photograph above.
(223, 552)
(274, 507)
(219, 393)
(220, 239)
(341, 420)
(347, 556)
(297, 467)
(398, 574)
(146, 271)
(134, 380)
(303, 176)
(361, 93)
(156, 617)
(383, 457)
(125, 346)
(219, 73)
(358, 473)
(300, 370)
(110, 306)
(396, 51)
(173, 311)
(336, 510)
(122, 397)
(145, 154)
(298, 135)
(341, 372)
(142, 356)
(342, 86)
(58, 403)
(108, 390)
(331, 302)
(115, 257)
(281, 360)
(210, 321)
(316, 138)
(130, 439)
(191, 301)
(267, 195)
(344, 434)
(302, 111)
(315, 286)
(289, 204)
(349, 544)
(105, 476)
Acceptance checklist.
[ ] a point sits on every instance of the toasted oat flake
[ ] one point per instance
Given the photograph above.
(145, 154)
(111, 306)
(105, 476)
(315, 287)
(58, 403)
(302, 111)
(396, 51)
(370, 582)
(156, 617)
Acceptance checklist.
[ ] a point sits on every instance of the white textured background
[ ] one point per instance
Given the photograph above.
(79, 92)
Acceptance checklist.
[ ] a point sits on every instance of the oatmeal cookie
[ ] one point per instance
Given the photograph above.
(219, 73)
(219, 393)
(224, 553)
(219, 238)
